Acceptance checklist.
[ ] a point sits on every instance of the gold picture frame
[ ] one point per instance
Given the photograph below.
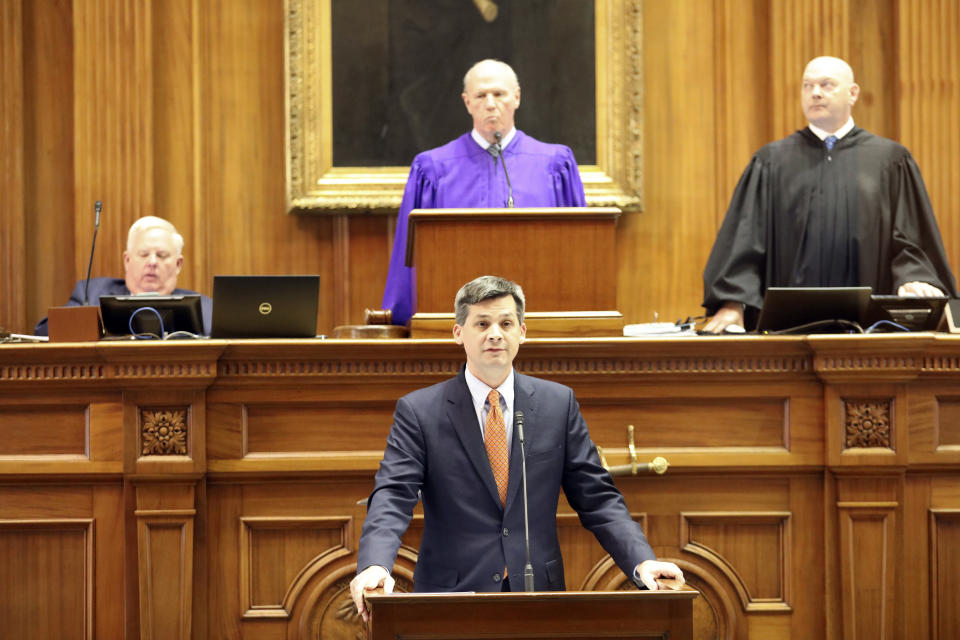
(314, 185)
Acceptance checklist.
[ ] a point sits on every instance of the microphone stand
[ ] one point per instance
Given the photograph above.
(528, 568)
(96, 227)
(497, 135)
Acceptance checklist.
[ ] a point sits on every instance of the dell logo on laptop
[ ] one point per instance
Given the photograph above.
(265, 308)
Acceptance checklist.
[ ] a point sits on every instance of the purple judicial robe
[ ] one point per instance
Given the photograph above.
(461, 174)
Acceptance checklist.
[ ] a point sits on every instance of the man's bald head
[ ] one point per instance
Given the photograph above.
(828, 65)
(828, 92)
(491, 67)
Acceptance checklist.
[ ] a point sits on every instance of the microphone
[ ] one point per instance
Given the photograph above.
(528, 568)
(96, 226)
(497, 135)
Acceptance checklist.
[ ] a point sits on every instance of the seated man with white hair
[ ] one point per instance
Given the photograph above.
(151, 263)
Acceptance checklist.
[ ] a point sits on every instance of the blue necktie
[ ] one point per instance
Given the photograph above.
(830, 141)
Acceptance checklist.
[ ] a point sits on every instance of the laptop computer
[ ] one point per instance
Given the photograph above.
(788, 308)
(265, 306)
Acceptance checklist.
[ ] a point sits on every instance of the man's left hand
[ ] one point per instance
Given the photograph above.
(919, 289)
(660, 576)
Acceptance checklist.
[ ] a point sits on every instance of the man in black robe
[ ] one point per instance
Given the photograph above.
(829, 205)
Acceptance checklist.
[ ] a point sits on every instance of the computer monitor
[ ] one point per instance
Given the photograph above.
(795, 309)
(909, 312)
(152, 314)
(265, 306)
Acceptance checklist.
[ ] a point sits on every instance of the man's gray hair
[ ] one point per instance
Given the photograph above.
(146, 223)
(487, 288)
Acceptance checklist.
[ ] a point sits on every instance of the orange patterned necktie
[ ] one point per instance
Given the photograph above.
(495, 439)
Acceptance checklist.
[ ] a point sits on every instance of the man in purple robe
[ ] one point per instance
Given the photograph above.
(469, 171)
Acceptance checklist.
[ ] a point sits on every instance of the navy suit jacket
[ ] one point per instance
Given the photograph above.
(435, 448)
(118, 287)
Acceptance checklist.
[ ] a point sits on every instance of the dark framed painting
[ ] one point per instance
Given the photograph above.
(371, 83)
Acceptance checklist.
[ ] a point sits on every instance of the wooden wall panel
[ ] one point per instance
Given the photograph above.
(47, 563)
(176, 108)
(929, 99)
(800, 30)
(660, 252)
(61, 567)
(12, 253)
(867, 511)
(48, 148)
(781, 544)
(944, 560)
(176, 132)
(113, 139)
(44, 430)
(165, 544)
(243, 172)
(743, 89)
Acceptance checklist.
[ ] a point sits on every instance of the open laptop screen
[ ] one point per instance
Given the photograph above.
(265, 306)
(786, 309)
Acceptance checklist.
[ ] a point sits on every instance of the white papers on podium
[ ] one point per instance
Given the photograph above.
(658, 329)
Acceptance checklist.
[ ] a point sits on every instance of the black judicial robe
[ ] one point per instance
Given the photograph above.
(802, 216)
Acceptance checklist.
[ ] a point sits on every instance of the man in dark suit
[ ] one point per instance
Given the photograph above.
(454, 446)
(151, 264)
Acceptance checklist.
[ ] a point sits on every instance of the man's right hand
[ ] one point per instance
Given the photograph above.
(730, 314)
(370, 579)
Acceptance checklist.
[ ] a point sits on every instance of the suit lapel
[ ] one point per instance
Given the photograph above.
(463, 417)
(523, 400)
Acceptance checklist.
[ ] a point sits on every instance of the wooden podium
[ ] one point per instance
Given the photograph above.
(572, 615)
(564, 258)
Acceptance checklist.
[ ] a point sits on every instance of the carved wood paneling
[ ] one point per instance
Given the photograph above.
(165, 516)
(869, 424)
(332, 614)
(589, 567)
(649, 367)
(715, 611)
(34, 372)
(868, 509)
(47, 580)
(869, 576)
(860, 523)
(759, 423)
(69, 365)
(165, 431)
(44, 430)
(934, 425)
(327, 611)
(944, 573)
(303, 429)
(752, 550)
(279, 556)
(166, 576)
(947, 427)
